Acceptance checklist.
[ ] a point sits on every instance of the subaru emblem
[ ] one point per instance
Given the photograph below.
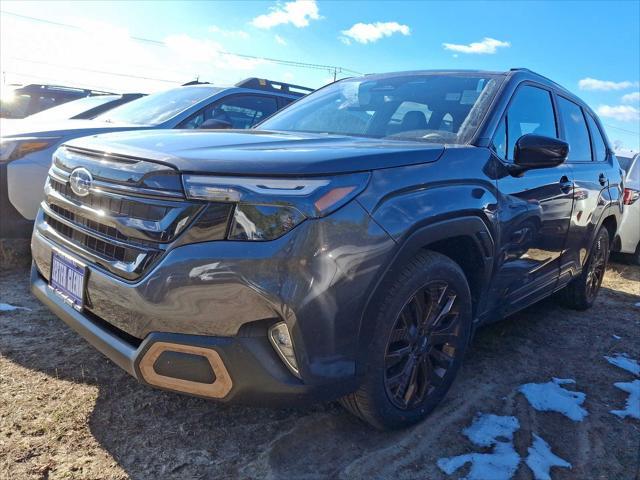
(80, 181)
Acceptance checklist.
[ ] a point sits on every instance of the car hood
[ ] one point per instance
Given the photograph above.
(256, 152)
(59, 128)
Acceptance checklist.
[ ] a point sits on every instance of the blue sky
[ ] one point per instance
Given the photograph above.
(596, 42)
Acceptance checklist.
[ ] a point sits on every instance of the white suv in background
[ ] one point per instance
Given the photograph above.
(26, 146)
(628, 240)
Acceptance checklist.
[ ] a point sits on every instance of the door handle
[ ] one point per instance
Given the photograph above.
(603, 179)
(566, 185)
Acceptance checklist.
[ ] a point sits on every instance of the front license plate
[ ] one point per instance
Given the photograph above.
(68, 279)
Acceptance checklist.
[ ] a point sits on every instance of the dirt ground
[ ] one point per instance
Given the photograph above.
(67, 412)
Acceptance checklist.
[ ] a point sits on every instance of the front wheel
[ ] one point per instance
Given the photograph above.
(421, 332)
(581, 292)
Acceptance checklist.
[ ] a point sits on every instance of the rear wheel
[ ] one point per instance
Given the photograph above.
(581, 292)
(422, 331)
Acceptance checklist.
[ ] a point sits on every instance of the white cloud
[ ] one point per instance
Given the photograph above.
(280, 40)
(606, 85)
(622, 113)
(486, 46)
(372, 32)
(631, 97)
(229, 33)
(208, 51)
(298, 13)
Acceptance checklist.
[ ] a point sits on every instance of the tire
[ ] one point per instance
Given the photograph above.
(411, 364)
(582, 292)
(635, 256)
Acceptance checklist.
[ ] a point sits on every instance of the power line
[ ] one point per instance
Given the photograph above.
(621, 129)
(94, 71)
(291, 63)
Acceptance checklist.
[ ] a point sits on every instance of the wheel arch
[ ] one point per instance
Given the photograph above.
(468, 241)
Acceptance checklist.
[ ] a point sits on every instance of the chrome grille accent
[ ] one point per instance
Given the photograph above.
(123, 228)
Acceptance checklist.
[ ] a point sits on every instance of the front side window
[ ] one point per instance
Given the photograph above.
(575, 130)
(244, 111)
(530, 111)
(599, 147)
(439, 108)
(240, 111)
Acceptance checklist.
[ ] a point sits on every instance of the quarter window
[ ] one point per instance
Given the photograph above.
(575, 130)
(599, 147)
(531, 111)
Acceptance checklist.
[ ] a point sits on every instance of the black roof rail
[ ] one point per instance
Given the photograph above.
(195, 82)
(39, 86)
(273, 86)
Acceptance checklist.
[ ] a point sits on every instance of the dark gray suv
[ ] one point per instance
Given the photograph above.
(346, 248)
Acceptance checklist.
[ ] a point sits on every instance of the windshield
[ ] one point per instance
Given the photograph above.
(71, 109)
(441, 108)
(158, 107)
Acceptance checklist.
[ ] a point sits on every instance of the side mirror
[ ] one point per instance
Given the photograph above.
(215, 124)
(537, 151)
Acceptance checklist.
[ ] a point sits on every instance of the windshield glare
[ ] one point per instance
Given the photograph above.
(158, 107)
(440, 108)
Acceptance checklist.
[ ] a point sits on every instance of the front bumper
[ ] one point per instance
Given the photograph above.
(254, 373)
(224, 295)
(12, 224)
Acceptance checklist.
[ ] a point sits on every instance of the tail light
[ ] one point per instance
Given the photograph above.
(630, 196)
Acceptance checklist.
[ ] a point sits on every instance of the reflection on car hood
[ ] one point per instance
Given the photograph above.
(58, 128)
(255, 152)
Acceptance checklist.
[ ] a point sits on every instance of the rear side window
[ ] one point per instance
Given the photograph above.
(531, 111)
(575, 130)
(599, 148)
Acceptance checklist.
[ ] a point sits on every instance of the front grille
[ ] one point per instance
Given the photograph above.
(99, 247)
(121, 227)
(115, 206)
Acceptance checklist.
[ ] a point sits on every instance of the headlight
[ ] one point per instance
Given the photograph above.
(15, 148)
(266, 208)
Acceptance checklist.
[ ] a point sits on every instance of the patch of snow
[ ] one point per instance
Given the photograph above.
(485, 431)
(616, 337)
(623, 361)
(5, 307)
(541, 459)
(487, 428)
(633, 401)
(501, 464)
(551, 397)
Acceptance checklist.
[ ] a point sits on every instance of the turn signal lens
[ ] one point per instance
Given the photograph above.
(281, 340)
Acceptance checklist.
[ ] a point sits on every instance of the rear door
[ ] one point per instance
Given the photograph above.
(592, 164)
(534, 208)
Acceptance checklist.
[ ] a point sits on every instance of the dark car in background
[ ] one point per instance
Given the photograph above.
(346, 248)
(22, 101)
(26, 146)
(84, 108)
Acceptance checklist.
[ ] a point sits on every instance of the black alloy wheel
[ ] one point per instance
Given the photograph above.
(422, 345)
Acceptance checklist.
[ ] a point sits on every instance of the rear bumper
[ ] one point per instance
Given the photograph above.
(246, 369)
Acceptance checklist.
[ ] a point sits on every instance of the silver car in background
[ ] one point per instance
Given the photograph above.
(628, 239)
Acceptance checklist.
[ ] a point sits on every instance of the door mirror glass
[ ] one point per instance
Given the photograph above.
(215, 124)
(538, 151)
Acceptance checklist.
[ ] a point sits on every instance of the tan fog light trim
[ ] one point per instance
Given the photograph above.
(218, 389)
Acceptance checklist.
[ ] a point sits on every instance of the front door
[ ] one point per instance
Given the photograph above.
(534, 208)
